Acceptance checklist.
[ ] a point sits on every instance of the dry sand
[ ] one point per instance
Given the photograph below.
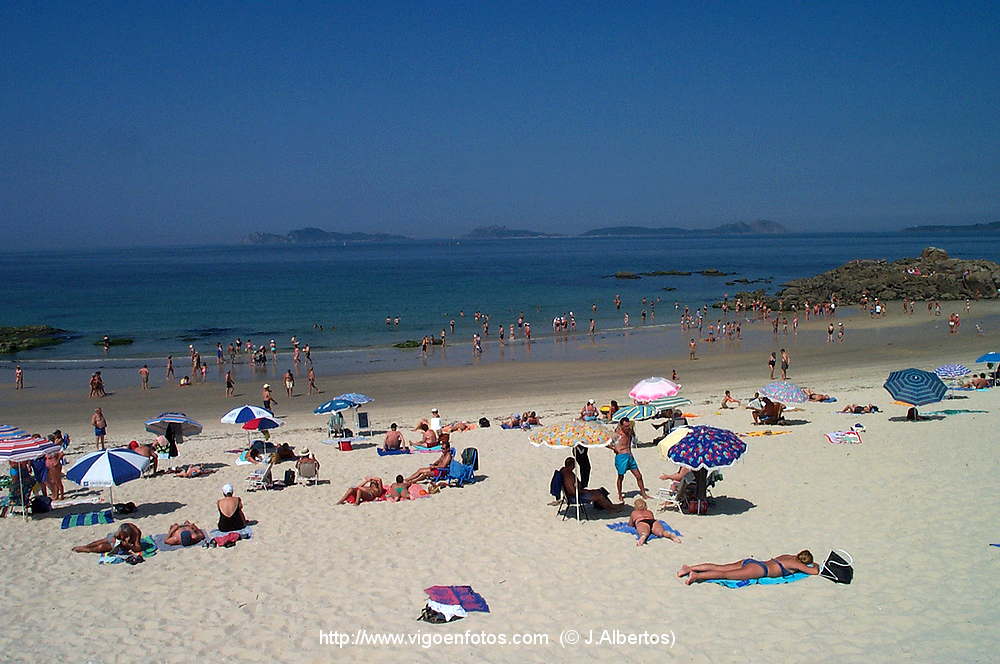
(915, 504)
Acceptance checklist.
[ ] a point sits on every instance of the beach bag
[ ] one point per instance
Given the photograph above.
(289, 477)
(429, 615)
(41, 504)
(837, 568)
(484, 423)
(124, 508)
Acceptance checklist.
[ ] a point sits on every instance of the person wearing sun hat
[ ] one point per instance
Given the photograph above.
(230, 508)
(589, 411)
(267, 398)
(306, 456)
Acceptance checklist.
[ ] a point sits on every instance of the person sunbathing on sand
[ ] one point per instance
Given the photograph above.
(859, 410)
(193, 470)
(978, 382)
(645, 524)
(428, 471)
(369, 490)
(728, 399)
(815, 396)
(398, 490)
(457, 426)
(598, 496)
(127, 537)
(184, 534)
(748, 568)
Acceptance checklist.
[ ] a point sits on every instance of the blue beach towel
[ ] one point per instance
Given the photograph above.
(830, 400)
(87, 519)
(970, 389)
(382, 452)
(954, 411)
(623, 527)
(766, 581)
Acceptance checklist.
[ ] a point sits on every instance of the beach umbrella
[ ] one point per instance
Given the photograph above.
(915, 386)
(355, 398)
(989, 357)
(566, 436)
(952, 371)
(655, 387)
(262, 424)
(108, 468)
(245, 414)
(784, 391)
(669, 402)
(26, 448)
(332, 405)
(11, 432)
(634, 413)
(670, 440)
(159, 424)
(706, 448)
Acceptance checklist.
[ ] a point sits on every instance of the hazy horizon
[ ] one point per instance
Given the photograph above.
(142, 124)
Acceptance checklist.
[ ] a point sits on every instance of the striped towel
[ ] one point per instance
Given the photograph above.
(87, 519)
(844, 437)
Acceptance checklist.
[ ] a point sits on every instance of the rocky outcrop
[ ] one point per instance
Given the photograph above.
(17, 339)
(933, 275)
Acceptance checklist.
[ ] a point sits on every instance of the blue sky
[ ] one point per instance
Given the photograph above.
(140, 123)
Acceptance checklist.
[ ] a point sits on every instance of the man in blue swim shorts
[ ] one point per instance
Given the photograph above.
(100, 424)
(624, 460)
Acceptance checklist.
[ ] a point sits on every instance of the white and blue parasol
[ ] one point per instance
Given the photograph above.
(245, 414)
(159, 424)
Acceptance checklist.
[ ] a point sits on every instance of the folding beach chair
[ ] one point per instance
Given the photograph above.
(260, 478)
(309, 471)
(564, 504)
(364, 427)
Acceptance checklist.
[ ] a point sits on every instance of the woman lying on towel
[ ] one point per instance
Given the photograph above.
(645, 524)
(815, 396)
(859, 410)
(748, 568)
(370, 490)
(193, 470)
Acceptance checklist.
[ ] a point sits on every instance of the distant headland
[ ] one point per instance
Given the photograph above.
(992, 227)
(318, 236)
(502, 232)
(760, 226)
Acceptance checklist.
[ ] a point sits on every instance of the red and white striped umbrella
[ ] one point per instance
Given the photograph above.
(26, 448)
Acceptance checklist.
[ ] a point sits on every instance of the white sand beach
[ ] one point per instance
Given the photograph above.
(915, 504)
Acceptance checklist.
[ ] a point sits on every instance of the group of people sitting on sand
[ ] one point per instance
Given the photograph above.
(978, 382)
(374, 488)
(523, 420)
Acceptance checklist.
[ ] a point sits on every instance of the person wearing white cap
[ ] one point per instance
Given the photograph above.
(231, 515)
(589, 411)
(267, 398)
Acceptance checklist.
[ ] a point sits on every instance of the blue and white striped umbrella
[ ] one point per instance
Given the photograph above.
(7, 431)
(355, 398)
(334, 404)
(26, 448)
(669, 402)
(784, 391)
(158, 424)
(107, 468)
(634, 413)
(245, 414)
(915, 386)
(952, 371)
(989, 357)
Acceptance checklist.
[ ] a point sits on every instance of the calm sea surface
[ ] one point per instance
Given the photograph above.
(166, 298)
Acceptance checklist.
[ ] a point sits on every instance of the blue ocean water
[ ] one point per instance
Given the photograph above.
(166, 298)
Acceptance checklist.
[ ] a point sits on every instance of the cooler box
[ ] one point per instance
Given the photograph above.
(345, 446)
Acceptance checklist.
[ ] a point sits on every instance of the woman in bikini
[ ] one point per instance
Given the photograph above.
(749, 568)
(645, 524)
(371, 489)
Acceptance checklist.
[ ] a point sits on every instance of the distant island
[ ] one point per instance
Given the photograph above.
(993, 227)
(760, 226)
(318, 236)
(502, 232)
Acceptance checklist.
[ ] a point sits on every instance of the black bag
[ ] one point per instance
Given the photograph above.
(124, 508)
(41, 504)
(436, 617)
(484, 423)
(289, 477)
(837, 569)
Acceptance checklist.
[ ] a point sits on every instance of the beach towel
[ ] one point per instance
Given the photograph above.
(87, 519)
(148, 551)
(767, 432)
(766, 581)
(623, 527)
(246, 533)
(241, 460)
(970, 389)
(953, 411)
(845, 437)
(829, 400)
(463, 596)
(56, 504)
(994, 544)
(420, 448)
(382, 452)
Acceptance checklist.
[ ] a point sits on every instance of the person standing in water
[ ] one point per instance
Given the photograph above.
(18, 378)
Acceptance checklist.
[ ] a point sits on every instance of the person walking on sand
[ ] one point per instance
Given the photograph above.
(144, 377)
(18, 378)
(289, 383)
(692, 349)
(100, 424)
(170, 367)
(621, 445)
(230, 383)
(311, 377)
(784, 364)
(267, 397)
(771, 362)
